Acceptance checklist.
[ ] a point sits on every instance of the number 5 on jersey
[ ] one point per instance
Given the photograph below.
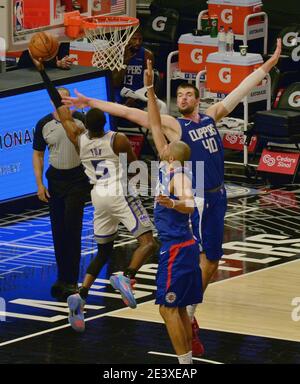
(101, 170)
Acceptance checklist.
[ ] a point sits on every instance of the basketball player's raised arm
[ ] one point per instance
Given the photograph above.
(170, 126)
(153, 112)
(224, 107)
(65, 115)
(132, 114)
(69, 124)
(52, 91)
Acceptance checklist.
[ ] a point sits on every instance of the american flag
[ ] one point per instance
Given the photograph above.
(118, 6)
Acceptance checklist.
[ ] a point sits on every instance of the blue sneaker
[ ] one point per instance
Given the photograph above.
(123, 284)
(76, 316)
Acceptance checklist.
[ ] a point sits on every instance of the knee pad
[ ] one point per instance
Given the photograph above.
(103, 255)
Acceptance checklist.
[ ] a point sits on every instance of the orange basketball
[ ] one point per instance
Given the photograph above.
(43, 45)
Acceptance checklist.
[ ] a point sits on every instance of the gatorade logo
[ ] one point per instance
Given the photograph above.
(292, 39)
(226, 16)
(294, 99)
(225, 75)
(196, 56)
(159, 23)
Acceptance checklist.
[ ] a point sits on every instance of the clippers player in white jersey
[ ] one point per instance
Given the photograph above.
(206, 146)
(99, 152)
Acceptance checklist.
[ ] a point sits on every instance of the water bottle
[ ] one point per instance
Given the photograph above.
(205, 25)
(222, 40)
(229, 42)
(214, 26)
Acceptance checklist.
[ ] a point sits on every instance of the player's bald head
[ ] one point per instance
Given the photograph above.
(180, 151)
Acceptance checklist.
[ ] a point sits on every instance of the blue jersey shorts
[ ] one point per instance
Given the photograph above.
(208, 224)
(179, 279)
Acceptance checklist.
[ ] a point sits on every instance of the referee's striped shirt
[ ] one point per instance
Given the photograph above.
(50, 133)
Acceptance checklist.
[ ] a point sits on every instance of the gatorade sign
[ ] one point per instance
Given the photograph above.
(225, 75)
(197, 56)
(292, 39)
(159, 23)
(278, 162)
(294, 99)
(226, 16)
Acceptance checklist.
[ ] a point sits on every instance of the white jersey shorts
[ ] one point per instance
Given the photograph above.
(112, 210)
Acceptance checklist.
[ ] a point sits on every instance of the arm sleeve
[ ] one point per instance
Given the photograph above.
(52, 91)
(50, 63)
(25, 60)
(63, 50)
(237, 95)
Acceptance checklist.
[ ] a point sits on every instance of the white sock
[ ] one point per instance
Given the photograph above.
(185, 359)
(191, 309)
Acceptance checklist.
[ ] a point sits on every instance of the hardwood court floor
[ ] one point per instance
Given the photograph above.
(258, 304)
(251, 313)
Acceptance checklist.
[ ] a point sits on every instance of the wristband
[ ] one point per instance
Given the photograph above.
(173, 203)
(149, 86)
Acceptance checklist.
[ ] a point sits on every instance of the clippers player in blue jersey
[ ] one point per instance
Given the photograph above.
(198, 131)
(132, 77)
(178, 274)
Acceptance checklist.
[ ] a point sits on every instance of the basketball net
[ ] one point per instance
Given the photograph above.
(109, 43)
(109, 36)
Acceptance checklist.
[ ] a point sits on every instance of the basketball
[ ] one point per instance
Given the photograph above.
(43, 45)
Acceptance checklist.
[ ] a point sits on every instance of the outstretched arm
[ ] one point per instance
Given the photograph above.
(224, 107)
(153, 112)
(52, 91)
(170, 126)
(132, 114)
(69, 124)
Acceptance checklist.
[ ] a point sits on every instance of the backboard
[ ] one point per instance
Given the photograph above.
(20, 19)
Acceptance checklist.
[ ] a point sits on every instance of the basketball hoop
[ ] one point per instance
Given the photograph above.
(109, 36)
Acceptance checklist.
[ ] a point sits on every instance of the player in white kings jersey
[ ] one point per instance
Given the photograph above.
(100, 153)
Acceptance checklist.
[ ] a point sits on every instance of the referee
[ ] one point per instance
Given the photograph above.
(68, 189)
